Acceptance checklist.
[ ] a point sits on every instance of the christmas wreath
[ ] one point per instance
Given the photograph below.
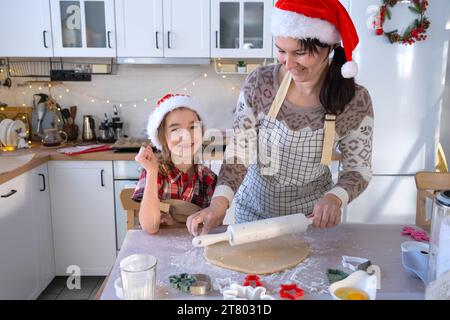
(416, 31)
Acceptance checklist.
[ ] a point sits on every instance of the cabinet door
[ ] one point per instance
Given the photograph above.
(18, 276)
(26, 29)
(83, 28)
(82, 204)
(186, 28)
(241, 28)
(43, 223)
(140, 28)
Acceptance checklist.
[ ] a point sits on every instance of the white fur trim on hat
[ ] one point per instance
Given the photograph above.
(293, 25)
(349, 69)
(164, 108)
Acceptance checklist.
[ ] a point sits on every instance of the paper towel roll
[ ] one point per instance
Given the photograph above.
(443, 254)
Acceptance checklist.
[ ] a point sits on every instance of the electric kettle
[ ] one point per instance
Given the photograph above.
(88, 133)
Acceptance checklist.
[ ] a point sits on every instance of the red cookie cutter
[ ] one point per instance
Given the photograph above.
(417, 235)
(252, 280)
(291, 291)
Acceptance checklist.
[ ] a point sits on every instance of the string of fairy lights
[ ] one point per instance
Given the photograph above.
(59, 91)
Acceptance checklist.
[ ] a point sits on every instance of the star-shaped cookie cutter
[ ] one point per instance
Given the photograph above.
(287, 289)
(252, 280)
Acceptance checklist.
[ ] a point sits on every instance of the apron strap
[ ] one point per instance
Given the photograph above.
(280, 96)
(328, 139)
(329, 125)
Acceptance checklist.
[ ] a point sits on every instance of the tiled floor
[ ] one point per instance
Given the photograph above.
(57, 289)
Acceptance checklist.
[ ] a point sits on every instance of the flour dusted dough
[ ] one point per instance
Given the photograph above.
(261, 257)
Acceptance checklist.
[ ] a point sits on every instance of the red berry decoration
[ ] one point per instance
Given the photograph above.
(416, 31)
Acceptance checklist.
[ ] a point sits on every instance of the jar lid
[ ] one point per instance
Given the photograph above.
(443, 198)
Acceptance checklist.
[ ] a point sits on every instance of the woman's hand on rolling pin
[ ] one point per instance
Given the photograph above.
(147, 159)
(327, 212)
(208, 218)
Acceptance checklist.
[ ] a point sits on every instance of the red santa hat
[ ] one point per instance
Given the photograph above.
(165, 105)
(325, 20)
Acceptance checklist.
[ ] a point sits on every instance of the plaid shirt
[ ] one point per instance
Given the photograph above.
(174, 184)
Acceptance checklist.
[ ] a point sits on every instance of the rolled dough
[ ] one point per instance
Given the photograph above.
(261, 257)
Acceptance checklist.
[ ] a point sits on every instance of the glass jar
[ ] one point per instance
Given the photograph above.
(439, 258)
(138, 273)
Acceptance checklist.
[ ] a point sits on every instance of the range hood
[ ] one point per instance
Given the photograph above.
(144, 60)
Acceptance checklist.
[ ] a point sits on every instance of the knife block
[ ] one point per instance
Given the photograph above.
(71, 130)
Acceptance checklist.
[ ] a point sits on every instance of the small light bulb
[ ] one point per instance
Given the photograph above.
(30, 86)
(23, 105)
(40, 88)
(145, 100)
(23, 117)
(134, 105)
(224, 76)
(193, 83)
(185, 89)
(60, 96)
(49, 85)
(232, 88)
(67, 90)
(205, 75)
(120, 105)
(107, 101)
(92, 100)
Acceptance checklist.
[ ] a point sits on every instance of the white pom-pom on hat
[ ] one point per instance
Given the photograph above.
(349, 69)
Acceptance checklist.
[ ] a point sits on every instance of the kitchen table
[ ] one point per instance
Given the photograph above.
(175, 255)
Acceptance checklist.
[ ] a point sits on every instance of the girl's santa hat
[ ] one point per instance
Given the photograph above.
(165, 105)
(325, 20)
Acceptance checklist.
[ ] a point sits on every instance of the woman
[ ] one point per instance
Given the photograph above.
(287, 106)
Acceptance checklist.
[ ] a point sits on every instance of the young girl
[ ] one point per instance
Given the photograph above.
(175, 129)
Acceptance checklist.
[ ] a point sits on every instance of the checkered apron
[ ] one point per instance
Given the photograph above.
(288, 177)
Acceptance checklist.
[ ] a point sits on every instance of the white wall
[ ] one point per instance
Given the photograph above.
(134, 83)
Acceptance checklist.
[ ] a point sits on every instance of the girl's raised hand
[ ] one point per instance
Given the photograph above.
(147, 159)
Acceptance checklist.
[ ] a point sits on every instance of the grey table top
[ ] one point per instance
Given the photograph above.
(378, 243)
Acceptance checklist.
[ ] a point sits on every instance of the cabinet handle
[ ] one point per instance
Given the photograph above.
(217, 39)
(168, 40)
(43, 182)
(109, 40)
(156, 37)
(45, 40)
(101, 178)
(9, 194)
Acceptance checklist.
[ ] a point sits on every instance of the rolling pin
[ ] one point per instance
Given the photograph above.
(256, 230)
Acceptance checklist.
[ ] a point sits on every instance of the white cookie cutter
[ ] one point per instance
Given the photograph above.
(238, 292)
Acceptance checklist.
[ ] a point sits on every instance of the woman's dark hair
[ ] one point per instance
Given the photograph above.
(337, 91)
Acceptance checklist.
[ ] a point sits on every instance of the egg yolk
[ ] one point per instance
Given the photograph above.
(349, 293)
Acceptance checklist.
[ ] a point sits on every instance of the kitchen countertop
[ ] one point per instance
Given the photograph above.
(43, 154)
(379, 243)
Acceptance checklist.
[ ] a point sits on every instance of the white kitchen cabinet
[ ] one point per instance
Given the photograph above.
(82, 204)
(18, 267)
(40, 195)
(387, 200)
(139, 28)
(241, 28)
(169, 28)
(83, 28)
(26, 28)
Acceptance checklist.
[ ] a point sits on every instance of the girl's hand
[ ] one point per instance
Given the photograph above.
(327, 212)
(147, 159)
(166, 219)
(208, 218)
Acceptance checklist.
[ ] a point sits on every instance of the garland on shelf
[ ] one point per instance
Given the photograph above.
(416, 31)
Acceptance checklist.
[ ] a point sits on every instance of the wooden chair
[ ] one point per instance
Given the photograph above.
(132, 207)
(427, 184)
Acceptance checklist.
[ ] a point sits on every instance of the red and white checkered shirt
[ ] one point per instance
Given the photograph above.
(174, 184)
